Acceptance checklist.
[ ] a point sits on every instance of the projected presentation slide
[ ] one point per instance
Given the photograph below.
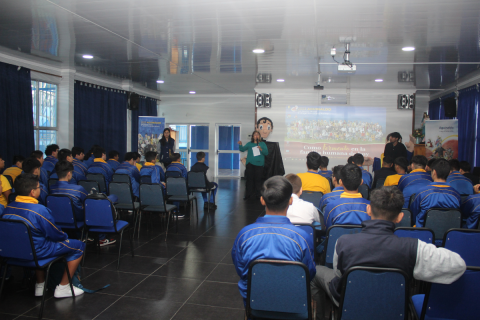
(335, 132)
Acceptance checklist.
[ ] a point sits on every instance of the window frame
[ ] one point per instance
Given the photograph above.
(36, 112)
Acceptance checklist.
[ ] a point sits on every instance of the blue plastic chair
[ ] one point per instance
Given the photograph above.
(100, 217)
(312, 197)
(458, 300)
(197, 182)
(465, 242)
(121, 177)
(51, 182)
(16, 247)
(100, 179)
(380, 183)
(89, 185)
(441, 220)
(173, 174)
(424, 234)
(177, 192)
(374, 293)
(278, 289)
(63, 212)
(333, 233)
(407, 219)
(364, 190)
(145, 179)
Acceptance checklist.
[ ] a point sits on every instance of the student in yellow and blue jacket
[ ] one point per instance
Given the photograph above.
(113, 157)
(401, 166)
(99, 165)
(155, 172)
(79, 166)
(336, 192)
(358, 159)
(324, 172)
(51, 160)
(350, 208)
(176, 165)
(128, 167)
(33, 166)
(457, 180)
(311, 180)
(66, 155)
(37, 154)
(15, 170)
(416, 179)
(470, 209)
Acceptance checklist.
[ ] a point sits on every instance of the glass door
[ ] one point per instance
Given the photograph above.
(192, 138)
(228, 155)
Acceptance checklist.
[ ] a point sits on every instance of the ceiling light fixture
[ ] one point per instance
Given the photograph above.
(378, 80)
(280, 80)
(408, 49)
(87, 56)
(160, 81)
(258, 51)
(192, 92)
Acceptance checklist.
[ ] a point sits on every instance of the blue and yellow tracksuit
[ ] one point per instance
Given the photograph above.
(459, 182)
(131, 170)
(77, 193)
(410, 183)
(349, 208)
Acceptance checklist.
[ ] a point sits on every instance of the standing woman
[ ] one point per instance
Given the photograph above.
(167, 147)
(255, 162)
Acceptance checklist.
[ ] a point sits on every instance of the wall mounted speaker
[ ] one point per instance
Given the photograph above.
(406, 101)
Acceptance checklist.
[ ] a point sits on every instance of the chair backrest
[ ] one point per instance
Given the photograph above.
(374, 293)
(442, 220)
(308, 228)
(406, 220)
(99, 212)
(121, 177)
(412, 198)
(16, 240)
(196, 180)
(123, 191)
(380, 183)
(176, 187)
(88, 185)
(146, 179)
(463, 197)
(61, 206)
(151, 195)
(51, 182)
(173, 174)
(100, 180)
(424, 234)
(333, 233)
(10, 180)
(290, 295)
(312, 197)
(465, 242)
(458, 300)
(364, 190)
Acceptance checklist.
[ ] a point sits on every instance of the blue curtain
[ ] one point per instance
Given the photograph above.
(436, 109)
(467, 113)
(100, 118)
(147, 107)
(16, 108)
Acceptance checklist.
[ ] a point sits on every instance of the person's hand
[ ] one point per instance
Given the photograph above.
(240, 142)
(163, 183)
(476, 188)
(259, 148)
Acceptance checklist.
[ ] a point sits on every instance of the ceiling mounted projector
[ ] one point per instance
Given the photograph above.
(347, 68)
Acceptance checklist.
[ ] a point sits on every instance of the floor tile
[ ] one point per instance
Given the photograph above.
(186, 269)
(5, 316)
(137, 264)
(227, 259)
(203, 254)
(218, 294)
(140, 309)
(167, 289)
(158, 250)
(213, 242)
(120, 282)
(19, 302)
(98, 260)
(174, 239)
(199, 312)
(224, 273)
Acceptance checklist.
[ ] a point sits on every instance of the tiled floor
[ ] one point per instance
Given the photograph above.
(191, 276)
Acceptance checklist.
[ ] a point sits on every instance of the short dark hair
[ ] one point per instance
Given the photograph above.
(276, 193)
(136, 154)
(62, 168)
(77, 151)
(420, 161)
(264, 119)
(351, 176)
(98, 152)
(388, 160)
(324, 162)
(337, 172)
(442, 168)
(25, 183)
(358, 159)
(454, 164)
(295, 181)
(37, 154)
(175, 157)
(112, 154)
(30, 165)
(386, 202)
(465, 166)
(51, 148)
(150, 156)
(129, 156)
(430, 162)
(313, 160)
(200, 155)
(18, 158)
(395, 135)
(402, 162)
(350, 160)
(63, 154)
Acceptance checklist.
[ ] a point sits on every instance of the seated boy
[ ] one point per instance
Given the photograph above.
(79, 166)
(311, 180)
(177, 165)
(300, 211)
(416, 179)
(6, 187)
(470, 209)
(200, 166)
(437, 194)
(336, 192)
(99, 165)
(350, 208)
(401, 165)
(272, 236)
(138, 158)
(377, 246)
(33, 166)
(48, 239)
(66, 155)
(51, 160)
(150, 169)
(37, 154)
(465, 169)
(128, 167)
(113, 157)
(324, 172)
(15, 170)
(384, 172)
(457, 180)
(358, 159)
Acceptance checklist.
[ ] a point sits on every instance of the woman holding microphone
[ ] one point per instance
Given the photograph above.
(257, 150)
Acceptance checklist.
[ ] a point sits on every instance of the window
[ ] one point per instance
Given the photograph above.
(44, 96)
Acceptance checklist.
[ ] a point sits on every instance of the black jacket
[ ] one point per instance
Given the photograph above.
(398, 151)
(382, 173)
(202, 167)
(273, 161)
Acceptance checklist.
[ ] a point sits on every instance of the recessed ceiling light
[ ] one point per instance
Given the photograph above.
(378, 80)
(280, 80)
(87, 56)
(408, 48)
(192, 92)
(160, 81)
(258, 51)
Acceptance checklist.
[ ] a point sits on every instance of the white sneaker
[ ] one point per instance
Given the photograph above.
(65, 292)
(39, 289)
(107, 242)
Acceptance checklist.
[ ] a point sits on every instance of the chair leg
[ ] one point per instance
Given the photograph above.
(3, 277)
(85, 252)
(139, 225)
(81, 235)
(69, 278)
(196, 206)
(40, 314)
(131, 242)
(168, 220)
(120, 249)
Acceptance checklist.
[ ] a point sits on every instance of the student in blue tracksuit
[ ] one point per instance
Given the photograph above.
(457, 180)
(33, 166)
(336, 192)
(437, 194)
(90, 156)
(350, 208)
(99, 165)
(416, 179)
(176, 165)
(66, 155)
(324, 172)
(272, 236)
(470, 209)
(113, 157)
(358, 159)
(150, 169)
(128, 167)
(37, 154)
(79, 166)
(51, 160)
(48, 239)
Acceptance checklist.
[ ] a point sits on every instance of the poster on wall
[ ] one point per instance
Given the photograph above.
(441, 139)
(150, 129)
